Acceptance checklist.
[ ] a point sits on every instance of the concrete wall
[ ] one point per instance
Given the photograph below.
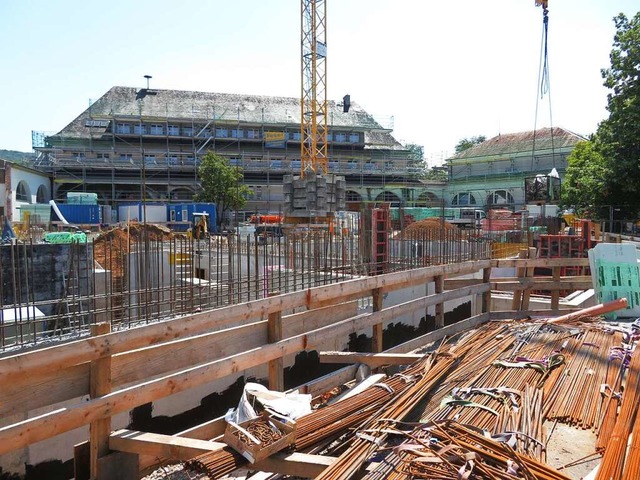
(35, 272)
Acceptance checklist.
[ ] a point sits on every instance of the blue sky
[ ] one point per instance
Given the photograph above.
(443, 70)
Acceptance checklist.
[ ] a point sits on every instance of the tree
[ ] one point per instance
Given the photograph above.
(620, 133)
(467, 143)
(221, 184)
(586, 177)
(415, 159)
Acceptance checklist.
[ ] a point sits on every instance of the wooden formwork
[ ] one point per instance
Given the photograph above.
(124, 369)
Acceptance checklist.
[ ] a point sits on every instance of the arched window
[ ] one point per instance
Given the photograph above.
(352, 196)
(427, 199)
(389, 197)
(42, 196)
(22, 192)
(464, 198)
(500, 197)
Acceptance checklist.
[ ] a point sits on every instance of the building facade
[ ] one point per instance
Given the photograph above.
(492, 173)
(21, 187)
(134, 144)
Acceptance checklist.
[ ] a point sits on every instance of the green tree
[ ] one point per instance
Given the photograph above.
(415, 159)
(467, 143)
(586, 177)
(221, 184)
(620, 133)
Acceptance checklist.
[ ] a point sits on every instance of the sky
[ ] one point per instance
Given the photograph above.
(437, 72)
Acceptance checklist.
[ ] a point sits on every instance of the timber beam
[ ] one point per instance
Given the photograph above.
(372, 359)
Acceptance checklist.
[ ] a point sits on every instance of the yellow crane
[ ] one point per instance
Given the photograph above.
(313, 100)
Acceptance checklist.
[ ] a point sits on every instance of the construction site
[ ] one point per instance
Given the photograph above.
(336, 339)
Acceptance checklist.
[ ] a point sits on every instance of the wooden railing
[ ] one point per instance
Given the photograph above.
(125, 369)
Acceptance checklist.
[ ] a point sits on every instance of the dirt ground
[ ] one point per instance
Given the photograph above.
(568, 444)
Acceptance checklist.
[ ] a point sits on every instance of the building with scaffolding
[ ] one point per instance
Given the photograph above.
(493, 172)
(147, 144)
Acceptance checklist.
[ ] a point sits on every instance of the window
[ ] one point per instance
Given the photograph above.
(235, 161)
(172, 160)
(157, 129)
(173, 130)
(22, 192)
(354, 138)
(140, 129)
(237, 133)
(500, 197)
(149, 159)
(104, 156)
(126, 157)
(123, 128)
(187, 131)
(222, 132)
(42, 196)
(464, 198)
(295, 136)
(353, 164)
(341, 137)
(253, 133)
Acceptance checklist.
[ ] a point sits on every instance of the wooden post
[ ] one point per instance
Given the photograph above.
(486, 296)
(376, 339)
(526, 294)
(99, 385)
(274, 334)
(439, 288)
(555, 294)
(520, 272)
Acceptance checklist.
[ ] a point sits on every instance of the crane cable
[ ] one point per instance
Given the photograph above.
(544, 83)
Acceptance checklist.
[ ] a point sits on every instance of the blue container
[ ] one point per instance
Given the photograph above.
(180, 216)
(80, 214)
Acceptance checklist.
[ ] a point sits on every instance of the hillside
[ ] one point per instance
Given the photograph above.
(25, 158)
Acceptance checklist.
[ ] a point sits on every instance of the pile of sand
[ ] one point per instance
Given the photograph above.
(429, 226)
(110, 248)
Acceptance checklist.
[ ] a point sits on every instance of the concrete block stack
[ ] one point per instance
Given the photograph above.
(315, 195)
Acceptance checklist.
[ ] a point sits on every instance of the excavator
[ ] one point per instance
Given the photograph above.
(200, 229)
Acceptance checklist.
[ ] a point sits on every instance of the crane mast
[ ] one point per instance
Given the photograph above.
(313, 100)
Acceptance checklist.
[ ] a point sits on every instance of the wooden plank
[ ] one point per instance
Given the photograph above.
(374, 360)
(431, 337)
(486, 296)
(55, 358)
(295, 464)
(13, 437)
(545, 278)
(160, 359)
(539, 262)
(516, 302)
(329, 381)
(393, 281)
(453, 283)
(510, 314)
(205, 431)
(301, 322)
(439, 310)
(376, 339)
(161, 446)
(555, 295)
(41, 390)
(99, 384)
(276, 366)
(526, 294)
(541, 285)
